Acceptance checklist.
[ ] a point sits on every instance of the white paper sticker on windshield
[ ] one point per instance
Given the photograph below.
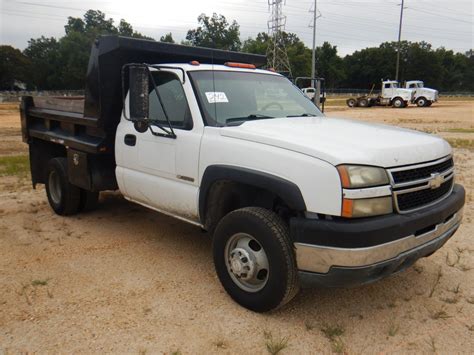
(216, 97)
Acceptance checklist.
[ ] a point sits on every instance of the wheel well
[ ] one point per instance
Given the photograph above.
(225, 196)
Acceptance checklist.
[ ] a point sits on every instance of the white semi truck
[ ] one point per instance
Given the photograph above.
(390, 95)
(424, 96)
(289, 197)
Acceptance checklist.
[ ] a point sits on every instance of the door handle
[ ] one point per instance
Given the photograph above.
(130, 139)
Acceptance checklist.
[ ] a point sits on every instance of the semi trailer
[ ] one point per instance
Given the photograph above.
(289, 197)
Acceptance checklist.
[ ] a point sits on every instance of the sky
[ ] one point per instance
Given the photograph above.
(349, 24)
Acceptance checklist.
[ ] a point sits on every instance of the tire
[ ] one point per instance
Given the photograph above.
(398, 103)
(351, 102)
(255, 241)
(363, 102)
(421, 102)
(64, 198)
(89, 200)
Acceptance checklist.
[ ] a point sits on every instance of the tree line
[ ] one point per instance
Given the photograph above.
(55, 64)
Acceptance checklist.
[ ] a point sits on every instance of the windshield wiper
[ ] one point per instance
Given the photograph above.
(254, 116)
(303, 115)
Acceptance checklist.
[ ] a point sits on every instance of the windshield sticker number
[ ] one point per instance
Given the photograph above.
(216, 97)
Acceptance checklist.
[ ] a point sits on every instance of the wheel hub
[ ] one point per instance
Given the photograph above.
(247, 262)
(242, 265)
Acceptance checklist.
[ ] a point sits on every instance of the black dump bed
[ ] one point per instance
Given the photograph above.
(88, 123)
(82, 129)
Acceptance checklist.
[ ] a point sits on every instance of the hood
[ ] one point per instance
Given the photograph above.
(339, 141)
(426, 91)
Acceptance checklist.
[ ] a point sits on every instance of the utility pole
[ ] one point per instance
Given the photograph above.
(313, 57)
(315, 83)
(399, 39)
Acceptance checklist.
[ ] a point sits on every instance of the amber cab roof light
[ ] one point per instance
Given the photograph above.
(194, 62)
(240, 65)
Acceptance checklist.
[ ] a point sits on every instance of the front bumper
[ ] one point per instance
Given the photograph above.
(353, 252)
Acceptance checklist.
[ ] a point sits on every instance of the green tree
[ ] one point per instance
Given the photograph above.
(62, 64)
(215, 32)
(167, 38)
(329, 65)
(298, 54)
(14, 66)
(43, 54)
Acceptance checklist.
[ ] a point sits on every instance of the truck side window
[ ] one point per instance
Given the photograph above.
(173, 99)
(388, 86)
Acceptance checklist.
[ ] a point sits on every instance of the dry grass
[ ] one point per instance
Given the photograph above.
(461, 143)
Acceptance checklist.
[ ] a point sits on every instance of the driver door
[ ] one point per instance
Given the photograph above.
(162, 172)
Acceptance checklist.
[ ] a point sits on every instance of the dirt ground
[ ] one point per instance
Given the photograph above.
(124, 279)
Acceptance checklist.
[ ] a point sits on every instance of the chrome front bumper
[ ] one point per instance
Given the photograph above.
(320, 259)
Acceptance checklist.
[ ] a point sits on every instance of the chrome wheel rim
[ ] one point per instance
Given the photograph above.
(54, 187)
(247, 262)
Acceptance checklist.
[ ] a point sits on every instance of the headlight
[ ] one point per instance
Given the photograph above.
(357, 176)
(367, 207)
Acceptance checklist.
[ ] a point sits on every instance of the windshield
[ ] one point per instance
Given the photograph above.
(230, 98)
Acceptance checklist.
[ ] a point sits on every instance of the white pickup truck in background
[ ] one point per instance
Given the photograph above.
(289, 197)
(424, 96)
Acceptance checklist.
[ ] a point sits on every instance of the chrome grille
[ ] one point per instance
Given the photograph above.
(421, 172)
(418, 186)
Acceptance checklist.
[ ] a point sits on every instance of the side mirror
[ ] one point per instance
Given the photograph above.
(138, 84)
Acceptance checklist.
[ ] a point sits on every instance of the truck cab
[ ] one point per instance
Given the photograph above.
(423, 96)
(396, 96)
(289, 197)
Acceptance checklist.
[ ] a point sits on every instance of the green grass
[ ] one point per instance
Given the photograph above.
(461, 143)
(332, 331)
(275, 345)
(335, 102)
(456, 98)
(460, 130)
(14, 165)
(39, 282)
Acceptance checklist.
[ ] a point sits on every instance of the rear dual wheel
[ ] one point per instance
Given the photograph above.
(351, 102)
(63, 197)
(254, 259)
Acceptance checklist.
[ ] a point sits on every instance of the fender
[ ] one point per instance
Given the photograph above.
(286, 190)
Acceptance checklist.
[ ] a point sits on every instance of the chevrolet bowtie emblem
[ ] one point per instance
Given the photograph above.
(436, 180)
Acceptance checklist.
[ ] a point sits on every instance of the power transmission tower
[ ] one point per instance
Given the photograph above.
(277, 56)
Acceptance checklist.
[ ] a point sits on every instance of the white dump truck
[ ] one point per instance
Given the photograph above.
(289, 197)
(424, 96)
(391, 95)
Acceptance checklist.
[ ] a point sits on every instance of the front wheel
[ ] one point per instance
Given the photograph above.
(421, 102)
(398, 102)
(254, 259)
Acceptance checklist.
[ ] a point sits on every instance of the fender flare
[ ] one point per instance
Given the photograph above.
(288, 191)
